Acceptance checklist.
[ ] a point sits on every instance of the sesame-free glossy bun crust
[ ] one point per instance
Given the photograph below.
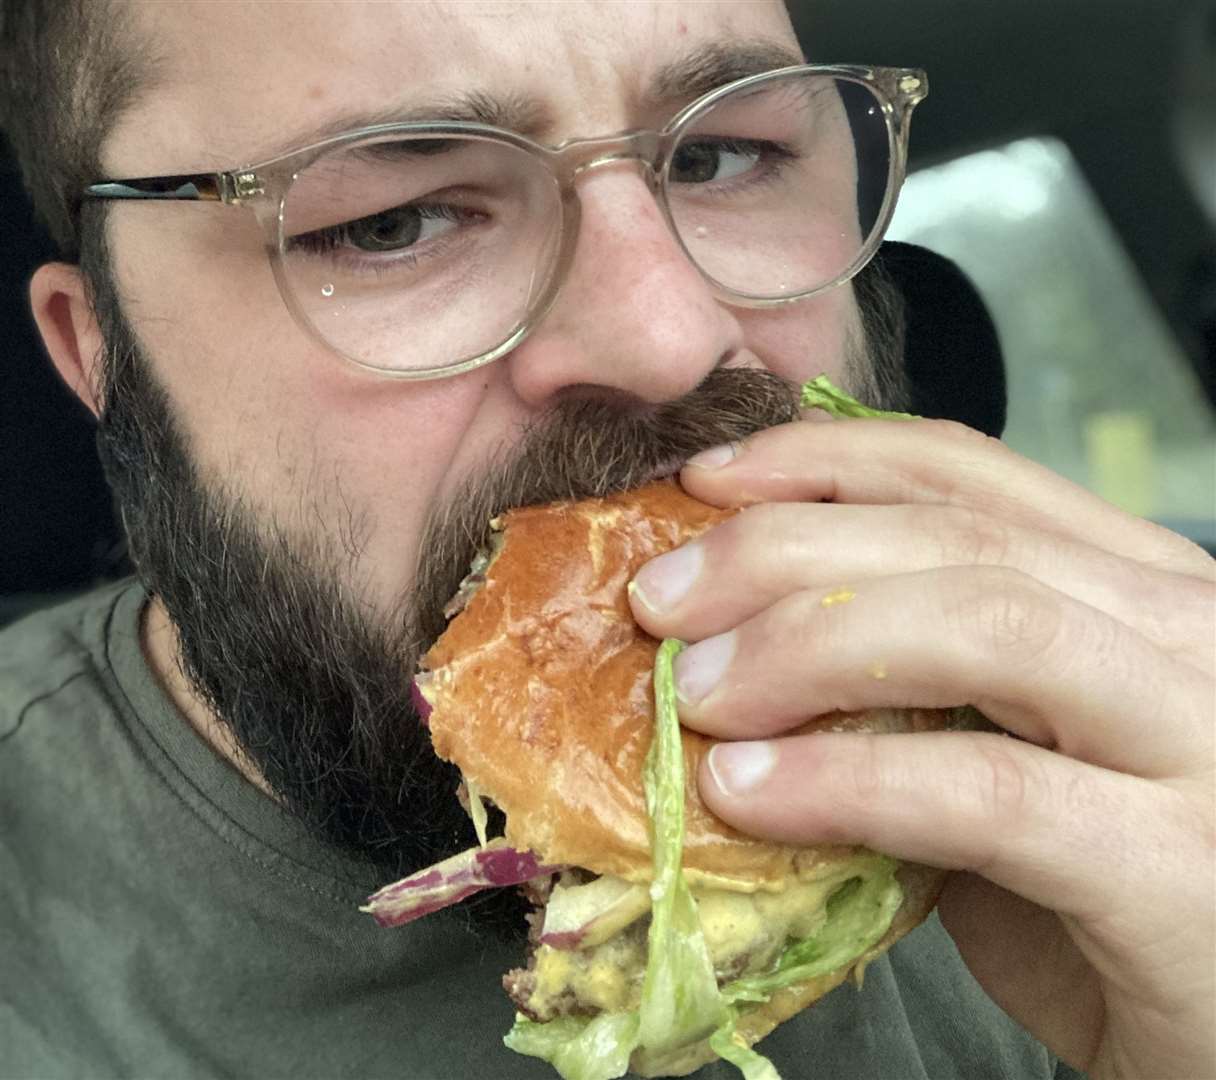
(542, 695)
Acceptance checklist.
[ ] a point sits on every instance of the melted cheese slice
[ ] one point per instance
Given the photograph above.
(744, 933)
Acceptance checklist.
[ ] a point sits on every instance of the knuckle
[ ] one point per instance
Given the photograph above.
(866, 776)
(1007, 614)
(1004, 786)
(799, 622)
(971, 538)
(760, 539)
(1082, 797)
(1181, 617)
(789, 620)
(1007, 787)
(828, 627)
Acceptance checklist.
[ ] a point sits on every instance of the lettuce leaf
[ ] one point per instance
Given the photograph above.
(578, 1047)
(477, 811)
(681, 1003)
(731, 1047)
(821, 394)
(860, 913)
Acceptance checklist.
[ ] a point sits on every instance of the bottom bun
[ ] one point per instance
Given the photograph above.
(921, 885)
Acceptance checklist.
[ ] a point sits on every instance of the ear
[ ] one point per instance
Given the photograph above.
(69, 329)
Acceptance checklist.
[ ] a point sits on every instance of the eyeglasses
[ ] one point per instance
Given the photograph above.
(424, 250)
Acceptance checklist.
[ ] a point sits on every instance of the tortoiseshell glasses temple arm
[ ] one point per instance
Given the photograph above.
(225, 187)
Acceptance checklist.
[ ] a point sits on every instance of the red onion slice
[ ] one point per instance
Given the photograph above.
(492, 867)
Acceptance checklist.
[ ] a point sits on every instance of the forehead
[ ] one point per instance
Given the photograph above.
(235, 80)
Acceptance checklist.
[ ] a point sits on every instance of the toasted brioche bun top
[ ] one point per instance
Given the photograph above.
(542, 695)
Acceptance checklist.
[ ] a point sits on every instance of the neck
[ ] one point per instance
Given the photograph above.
(159, 639)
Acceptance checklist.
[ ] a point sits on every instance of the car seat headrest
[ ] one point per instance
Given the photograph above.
(952, 351)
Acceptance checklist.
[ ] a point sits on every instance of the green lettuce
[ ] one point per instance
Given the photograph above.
(821, 394)
(577, 1047)
(681, 1003)
(859, 915)
(733, 1048)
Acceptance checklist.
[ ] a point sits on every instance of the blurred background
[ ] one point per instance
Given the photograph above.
(1065, 159)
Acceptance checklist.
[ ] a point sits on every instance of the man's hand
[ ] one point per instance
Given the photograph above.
(895, 563)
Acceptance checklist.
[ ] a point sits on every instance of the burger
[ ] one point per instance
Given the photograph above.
(660, 937)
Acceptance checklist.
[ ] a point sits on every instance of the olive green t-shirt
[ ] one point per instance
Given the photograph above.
(160, 917)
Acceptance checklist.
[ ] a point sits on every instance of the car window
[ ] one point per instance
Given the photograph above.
(1099, 390)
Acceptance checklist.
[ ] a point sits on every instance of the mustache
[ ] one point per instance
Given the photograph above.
(587, 449)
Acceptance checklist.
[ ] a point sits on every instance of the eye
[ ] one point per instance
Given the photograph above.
(397, 230)
(399, 227)
(713, 161)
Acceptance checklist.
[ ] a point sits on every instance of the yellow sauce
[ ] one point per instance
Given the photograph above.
(607, 977)
(744, 933)
(841, 596)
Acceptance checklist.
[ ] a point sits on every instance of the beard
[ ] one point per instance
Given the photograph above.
(312, 679)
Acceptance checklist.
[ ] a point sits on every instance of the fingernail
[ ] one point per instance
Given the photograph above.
(663, 582)
(715, 457)
(699, 668)
(741, 767)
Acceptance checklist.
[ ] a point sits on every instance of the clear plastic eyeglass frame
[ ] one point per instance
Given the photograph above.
(263, 188)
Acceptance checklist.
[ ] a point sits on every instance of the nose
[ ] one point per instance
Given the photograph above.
(634, 316)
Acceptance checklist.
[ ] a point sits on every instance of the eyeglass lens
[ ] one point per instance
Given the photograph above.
(419, 253)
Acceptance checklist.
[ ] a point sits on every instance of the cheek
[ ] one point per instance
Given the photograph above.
(803, 340)
(332, 454)
(384, 454)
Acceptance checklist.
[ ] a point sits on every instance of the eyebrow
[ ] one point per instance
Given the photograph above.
(710, 66)
(698, 72)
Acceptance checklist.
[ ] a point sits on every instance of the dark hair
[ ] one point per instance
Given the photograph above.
(68, 70)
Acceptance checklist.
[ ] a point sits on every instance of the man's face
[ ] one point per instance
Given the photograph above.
(294, 429)
(303, 520)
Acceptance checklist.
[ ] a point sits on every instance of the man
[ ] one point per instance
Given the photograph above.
(202, 775)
